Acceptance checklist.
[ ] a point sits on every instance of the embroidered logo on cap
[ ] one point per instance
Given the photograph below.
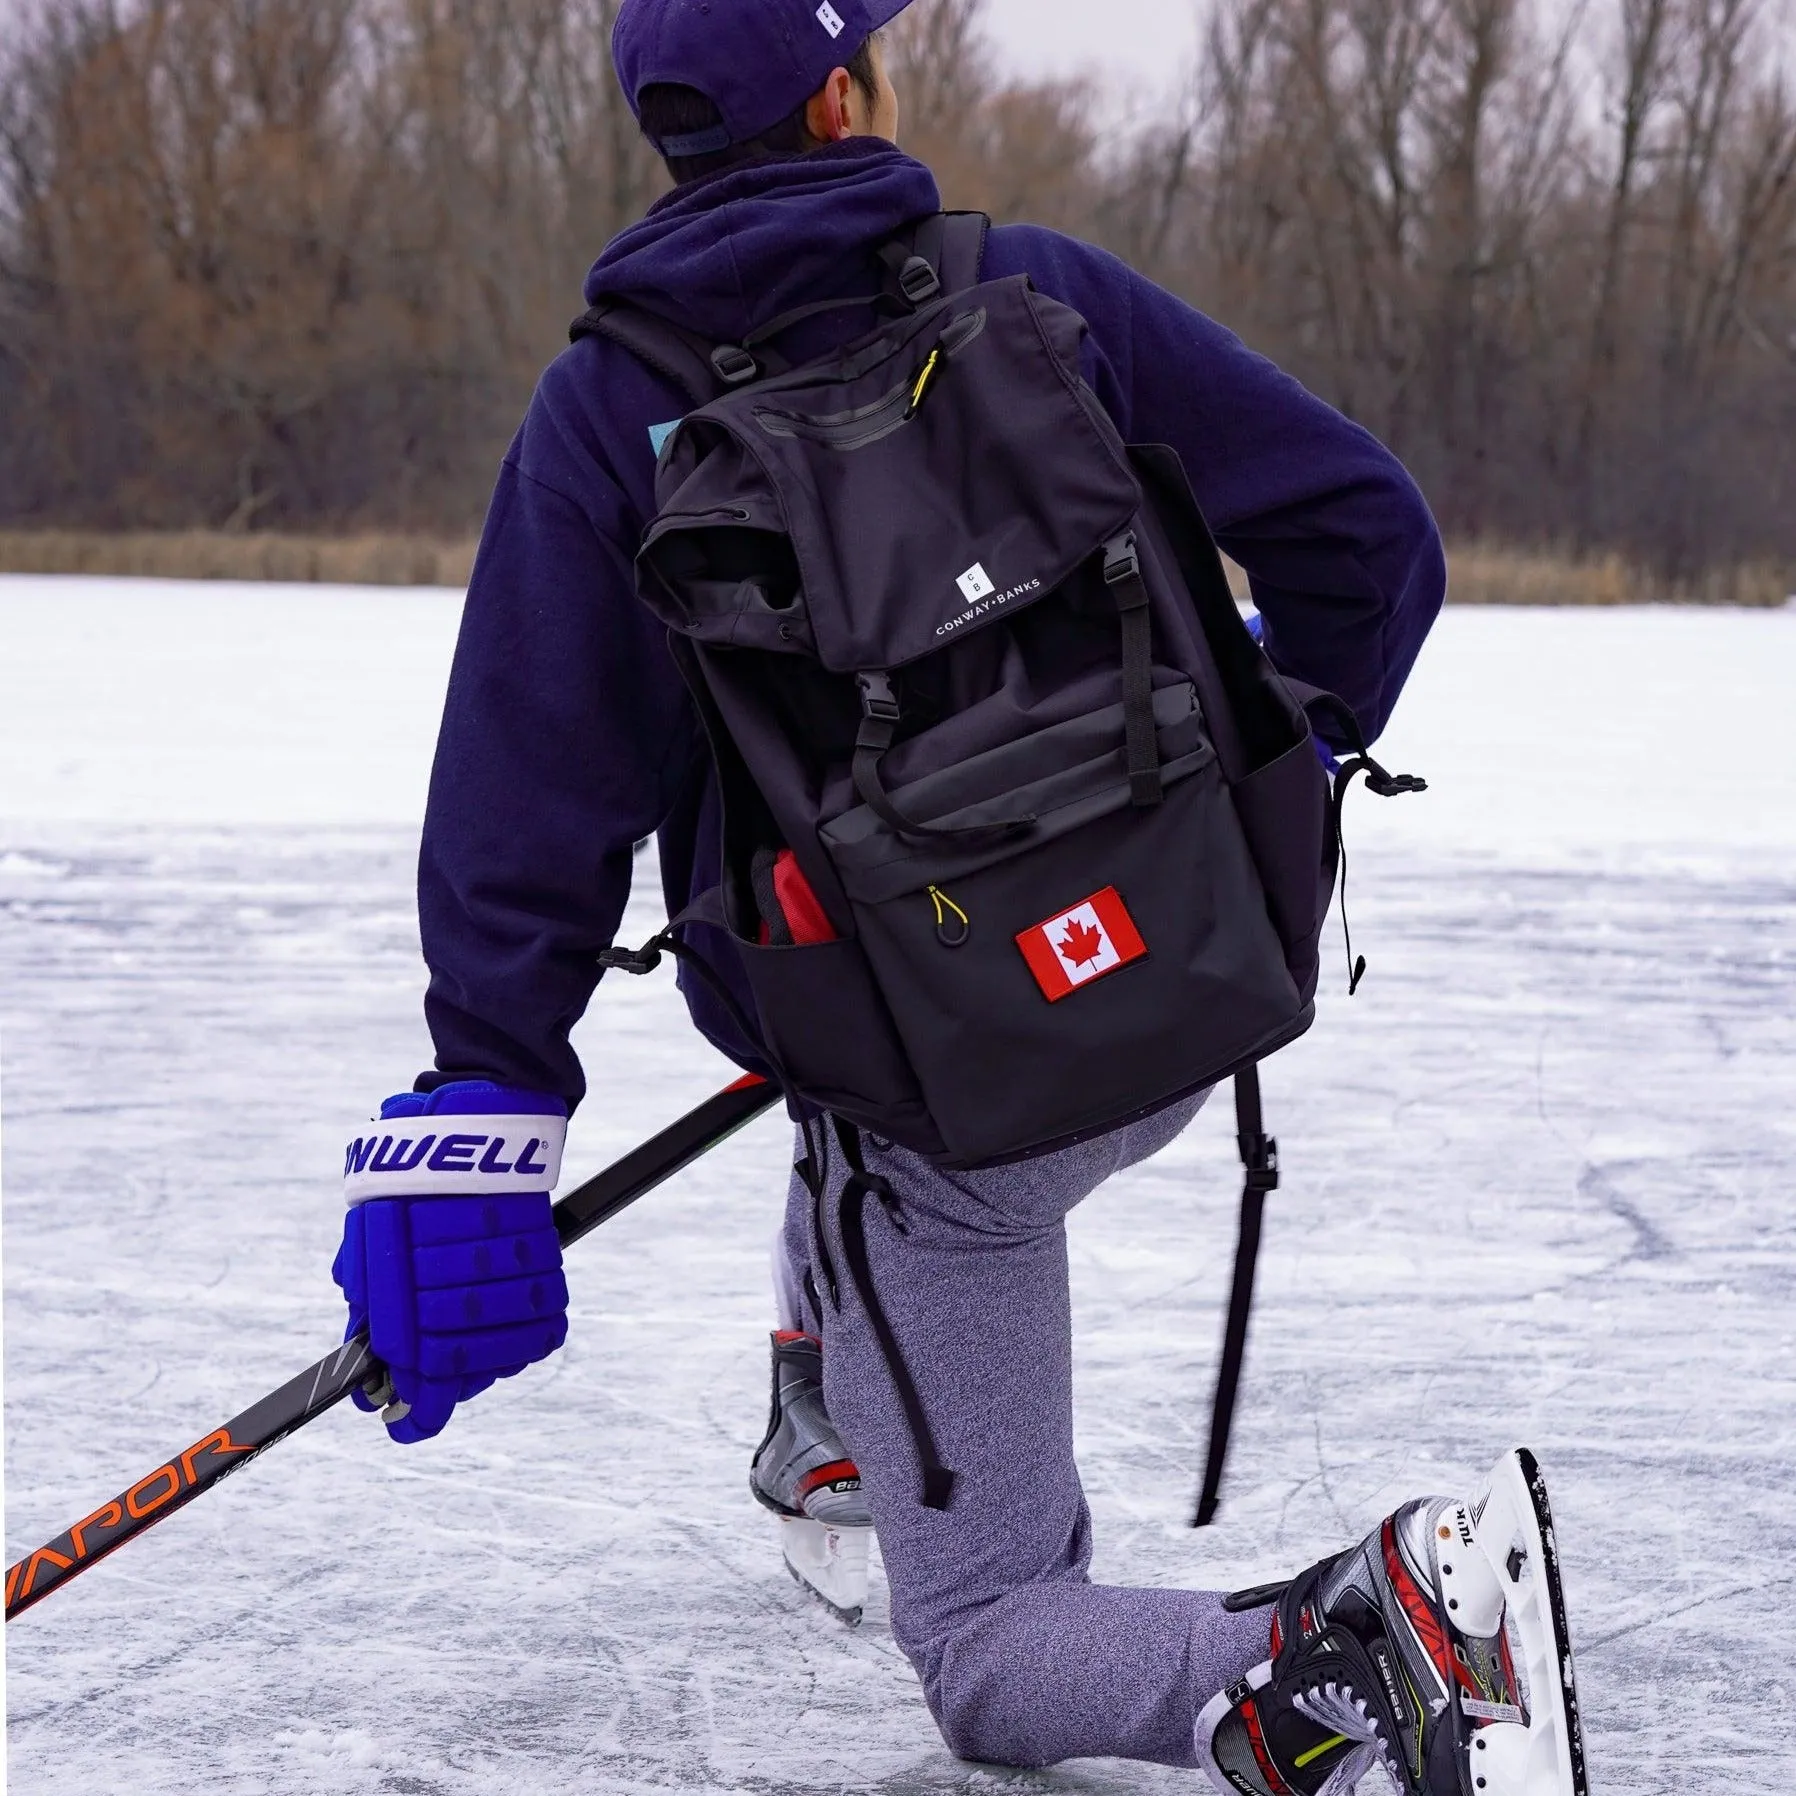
(831, 20)
(976, 583)
(1076, 946)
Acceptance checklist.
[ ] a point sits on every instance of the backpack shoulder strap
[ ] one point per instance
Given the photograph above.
(676, 354)
(953, 243)
(953, 246)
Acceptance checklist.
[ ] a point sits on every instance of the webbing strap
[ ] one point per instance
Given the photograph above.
(1122, 574)
(676, 354)
(953, 243)
(880, 716)
(1259, 1156)
(869, 751)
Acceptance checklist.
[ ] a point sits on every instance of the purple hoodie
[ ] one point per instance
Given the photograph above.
(567, 735)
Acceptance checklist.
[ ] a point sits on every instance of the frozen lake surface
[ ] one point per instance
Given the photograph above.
(1538, 1189)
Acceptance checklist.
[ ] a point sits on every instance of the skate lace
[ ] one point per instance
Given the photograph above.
(1335, 1706)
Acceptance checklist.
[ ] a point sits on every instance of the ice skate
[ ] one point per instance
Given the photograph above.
(803, 1473)
(1431, 1660)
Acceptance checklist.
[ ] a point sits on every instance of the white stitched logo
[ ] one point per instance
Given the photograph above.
(976, 583)
(461, 1156)
(831, 20)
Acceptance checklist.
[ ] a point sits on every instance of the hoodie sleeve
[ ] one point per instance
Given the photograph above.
(1344, 557)
(566, 739)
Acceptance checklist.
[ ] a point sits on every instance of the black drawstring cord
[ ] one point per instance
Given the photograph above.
(814, 1170)
(644, 960)
(938, 1481)
(1386, 785)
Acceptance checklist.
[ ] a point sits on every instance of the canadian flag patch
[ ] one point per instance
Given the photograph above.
(1074, 947)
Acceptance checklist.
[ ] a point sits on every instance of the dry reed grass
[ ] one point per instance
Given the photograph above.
(1482, 574)
(369, 560)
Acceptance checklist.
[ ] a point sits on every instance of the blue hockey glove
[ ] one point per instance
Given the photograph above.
(450, 1259)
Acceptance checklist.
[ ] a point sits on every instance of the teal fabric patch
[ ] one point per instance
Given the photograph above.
(659, 433)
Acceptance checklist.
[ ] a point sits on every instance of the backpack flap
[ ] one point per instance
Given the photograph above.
(945, 473)
(723, 568)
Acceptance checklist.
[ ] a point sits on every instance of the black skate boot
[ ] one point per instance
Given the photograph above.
(803, 1473)
(1401, 1657)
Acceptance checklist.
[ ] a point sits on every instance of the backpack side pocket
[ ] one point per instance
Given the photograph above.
(823, 1015)
(1283, 809)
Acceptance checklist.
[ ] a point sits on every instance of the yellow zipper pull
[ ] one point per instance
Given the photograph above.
(922, 386)
(944, 907)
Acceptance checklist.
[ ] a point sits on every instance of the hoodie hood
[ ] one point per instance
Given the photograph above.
(723, 255)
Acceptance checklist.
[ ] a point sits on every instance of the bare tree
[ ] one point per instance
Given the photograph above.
(297, 262)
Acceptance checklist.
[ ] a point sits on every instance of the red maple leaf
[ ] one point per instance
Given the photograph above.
(1080, 944)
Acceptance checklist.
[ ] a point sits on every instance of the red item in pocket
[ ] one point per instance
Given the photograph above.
(805, 917)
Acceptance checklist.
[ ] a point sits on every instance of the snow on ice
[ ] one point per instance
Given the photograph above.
(1538, 1189)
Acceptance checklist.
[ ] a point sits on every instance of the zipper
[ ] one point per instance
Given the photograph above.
(852, 430)
(922, 386)
(859, 429)
(953, 927)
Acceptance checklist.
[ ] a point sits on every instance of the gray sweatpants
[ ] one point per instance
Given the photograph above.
(1023, 1659)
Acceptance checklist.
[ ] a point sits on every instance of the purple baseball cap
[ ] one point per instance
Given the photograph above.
(756, 61)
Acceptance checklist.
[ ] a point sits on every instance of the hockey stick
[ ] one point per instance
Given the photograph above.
(169, 1487)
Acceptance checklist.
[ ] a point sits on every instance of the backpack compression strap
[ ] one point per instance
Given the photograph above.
(1122, 576)
(1259, 1155)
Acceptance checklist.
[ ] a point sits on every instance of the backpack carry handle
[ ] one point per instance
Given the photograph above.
(941, 254)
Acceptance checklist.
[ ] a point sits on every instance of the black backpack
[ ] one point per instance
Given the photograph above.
(977, 689)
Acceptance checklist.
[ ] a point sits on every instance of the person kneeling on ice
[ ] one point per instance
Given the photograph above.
(865, 557)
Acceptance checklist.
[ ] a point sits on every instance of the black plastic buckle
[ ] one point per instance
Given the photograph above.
(878, 700)
(639, 962)
(1121, 562)
(1259, 1154)
(734, 365)
(1391, 785)
(918, 282)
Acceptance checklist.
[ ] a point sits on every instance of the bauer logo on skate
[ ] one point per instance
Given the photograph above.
(1097, 936)
(454, 1156)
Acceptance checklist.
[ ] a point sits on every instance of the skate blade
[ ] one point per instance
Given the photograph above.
(1514, 1530)
(831, 1563)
